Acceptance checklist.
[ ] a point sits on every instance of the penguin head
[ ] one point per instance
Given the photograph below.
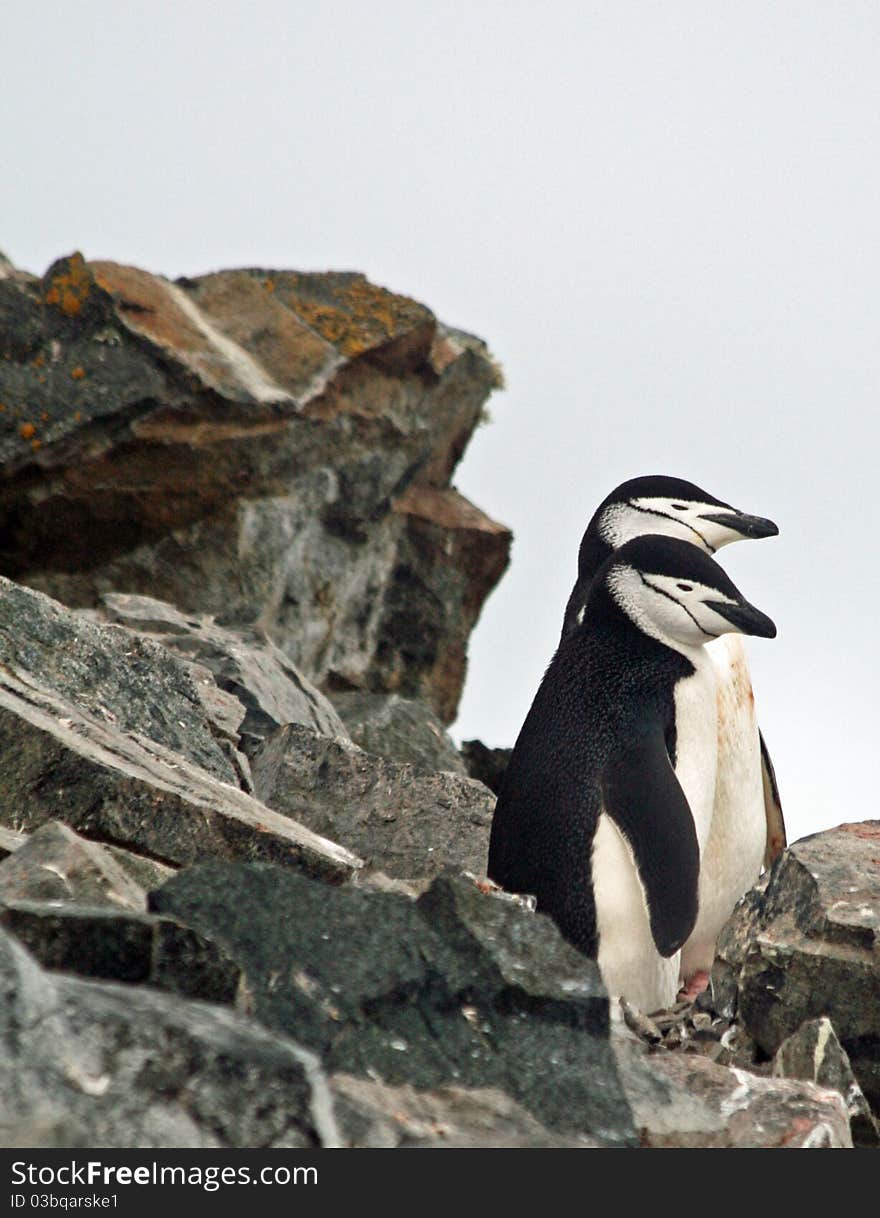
(678, 594)
(674, 508)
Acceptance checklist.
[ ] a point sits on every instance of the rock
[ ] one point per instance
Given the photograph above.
(398, 729)
(87, 1063)
(122, 946)
(405, 822)
(10, 841)
(127, 683)
(687, 1101)
(266, 446)
(246, 664)
(58, 761)
(372, 1114)
(458, 988)
(147, 873)
(808, 945)
(815, 1053)
(57, 865)
(486, 765)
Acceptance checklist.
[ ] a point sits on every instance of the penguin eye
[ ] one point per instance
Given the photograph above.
(686, 587)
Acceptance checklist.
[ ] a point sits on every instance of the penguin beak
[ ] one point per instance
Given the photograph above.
(746, 618)
(746, 526)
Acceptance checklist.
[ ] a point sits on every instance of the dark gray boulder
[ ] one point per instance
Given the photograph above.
(403, 821)
(486, 765)
(93, 1064)
(399, 729)
(114, 945)
(459, 988)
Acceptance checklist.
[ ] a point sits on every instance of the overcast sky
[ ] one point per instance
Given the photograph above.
(663, 218)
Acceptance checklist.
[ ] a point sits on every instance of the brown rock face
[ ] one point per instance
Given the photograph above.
(274, 448)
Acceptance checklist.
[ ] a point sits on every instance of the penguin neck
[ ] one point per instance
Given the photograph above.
(604, 612)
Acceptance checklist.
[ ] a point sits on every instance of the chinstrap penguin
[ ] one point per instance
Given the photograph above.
(607, 800)
(748, 829)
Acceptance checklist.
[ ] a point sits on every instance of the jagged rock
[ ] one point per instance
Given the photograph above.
(372, 1114)
(10, 841)
(57, 761)
(399, 729)
(807, 944)
(146, 872)
(404, 822)
(87, 1063)
(122, 946)
(130, 684)
(267, 446)
(458, 988)
(486, 765)
(55, 864)
(246, 664)
(815, 1053)
(685, 1100)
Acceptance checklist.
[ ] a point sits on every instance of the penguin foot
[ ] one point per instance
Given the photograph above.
(694, 985)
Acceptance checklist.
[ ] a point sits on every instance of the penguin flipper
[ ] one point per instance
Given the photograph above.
(643, 797)
(776, 837)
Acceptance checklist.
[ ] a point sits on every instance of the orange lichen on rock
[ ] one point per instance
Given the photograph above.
(359, 317)
(69, 289)
(78, 372)
(27, 431)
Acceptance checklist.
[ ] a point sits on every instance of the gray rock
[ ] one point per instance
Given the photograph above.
(91, 1064)
(10, 841)
(403, 821)
(815, 1053)
(398, 729)
(486, 765)
(458, 988)
(122, 946)
(685, 1100)
(56, 762)
(147, 873)
(266, 446)
(127, 683)
(808, 945)
(246, 664)
(55, 864)
(372, 1114)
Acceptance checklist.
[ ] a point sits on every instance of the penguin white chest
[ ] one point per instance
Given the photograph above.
(696, 741)
(732, 856)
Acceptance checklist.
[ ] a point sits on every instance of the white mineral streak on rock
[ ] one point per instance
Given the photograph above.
(248, 372)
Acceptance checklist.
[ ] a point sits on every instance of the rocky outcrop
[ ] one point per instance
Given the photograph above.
(246, 664)
(406, 822)
(806, 944)
(268, 447)
(94, 1064)
(399, 729)
(458, 988)
(685, 1100)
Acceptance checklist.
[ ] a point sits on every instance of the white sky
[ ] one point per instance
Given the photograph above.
(662, 217)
